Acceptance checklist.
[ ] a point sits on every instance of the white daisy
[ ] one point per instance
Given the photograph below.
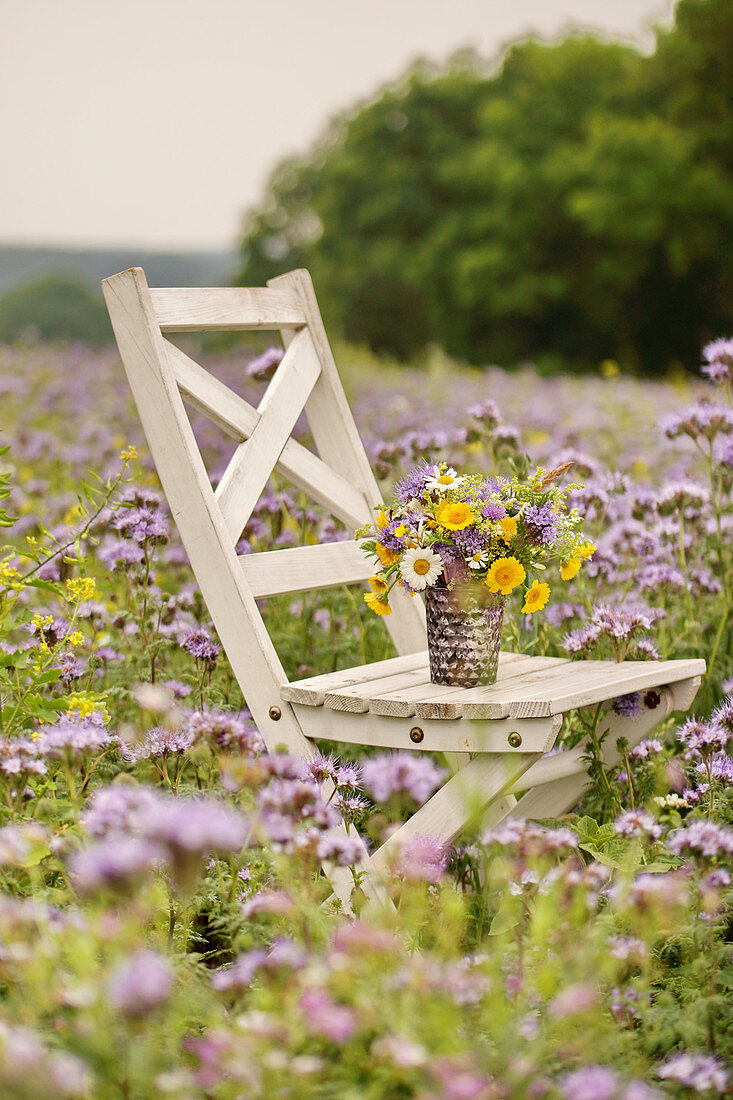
(479, 560)
(440, 482)
(419, 568)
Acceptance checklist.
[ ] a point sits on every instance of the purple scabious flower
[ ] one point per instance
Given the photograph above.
(412, 485)
(199, 644)
(264, 366)
(699, 1072)
(397, 773)
(140, 984)
(637, 823)
(590, 1083)
(629, 706)
(702, 840)
(540, 522)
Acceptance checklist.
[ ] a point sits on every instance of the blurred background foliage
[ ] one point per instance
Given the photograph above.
(572, 206)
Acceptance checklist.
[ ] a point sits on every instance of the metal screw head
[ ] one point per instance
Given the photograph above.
(275, 714)
(514, 739)
(416, 734)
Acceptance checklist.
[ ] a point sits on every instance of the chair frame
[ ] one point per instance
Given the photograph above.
(495, 757)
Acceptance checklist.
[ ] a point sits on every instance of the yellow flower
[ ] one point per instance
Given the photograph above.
(587, 550)
(454, 515)
(378, 585)
(536, 598)
(377, 603)
(129, 453)
(505, 574)
(400, 531)
(570, 568)
(81, 588)
(508, 527)
(382, 520)
(386, 556)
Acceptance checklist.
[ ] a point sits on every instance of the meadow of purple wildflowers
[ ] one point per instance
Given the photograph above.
(163, 927)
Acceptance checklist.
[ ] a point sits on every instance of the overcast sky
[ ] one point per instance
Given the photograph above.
(156, 122)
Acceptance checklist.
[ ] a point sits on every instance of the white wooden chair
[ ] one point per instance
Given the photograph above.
(496, 736)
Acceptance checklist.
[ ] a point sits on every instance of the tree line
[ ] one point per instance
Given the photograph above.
(573, 205)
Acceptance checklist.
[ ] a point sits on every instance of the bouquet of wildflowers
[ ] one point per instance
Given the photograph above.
(445, 529)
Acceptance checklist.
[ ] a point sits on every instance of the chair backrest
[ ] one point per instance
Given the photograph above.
(210, 522)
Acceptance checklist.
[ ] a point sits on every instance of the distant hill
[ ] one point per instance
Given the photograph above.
(18, 265)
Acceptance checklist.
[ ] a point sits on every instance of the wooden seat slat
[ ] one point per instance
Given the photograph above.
(311, 691)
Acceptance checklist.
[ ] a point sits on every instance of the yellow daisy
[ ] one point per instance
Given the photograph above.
(454, 515)
(570, 568)
(587, 550)
(377, 603)
(508, 525)
(378, 585)
(386, 556)
(505, 574)
(536, 598)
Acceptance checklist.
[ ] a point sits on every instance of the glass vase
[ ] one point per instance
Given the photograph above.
(464, 634)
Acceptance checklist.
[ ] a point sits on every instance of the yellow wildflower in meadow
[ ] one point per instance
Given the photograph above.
(536, 598)
(587, 550)
(81, 588)
(454, 515)
(504, 575)
(378, 585)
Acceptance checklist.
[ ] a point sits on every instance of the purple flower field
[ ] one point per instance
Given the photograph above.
(164, 927)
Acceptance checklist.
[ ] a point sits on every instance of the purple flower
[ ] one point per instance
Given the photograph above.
(704, 419)
(145, 524)
(529, 840)
(140, 984)
(264, 366)
(493, 511)
(396, 773)
(225, 732)
(629, 706)
(158, 741)
(118, 810)
(73, 737)
(117, 863)
(412, 485)
(637, 823)
(701, 737)
(540, 521)
(702, 839)
(324, 1017)
(590, 1083)
(421, 858)
(646, 748)
(199, 644)
(344, 851)
(718, 365)
(721, 768)
(700, 1072)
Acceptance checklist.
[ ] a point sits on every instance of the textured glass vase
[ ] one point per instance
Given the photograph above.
(464, 634)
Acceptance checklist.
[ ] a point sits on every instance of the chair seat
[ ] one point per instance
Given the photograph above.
(526, 687)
